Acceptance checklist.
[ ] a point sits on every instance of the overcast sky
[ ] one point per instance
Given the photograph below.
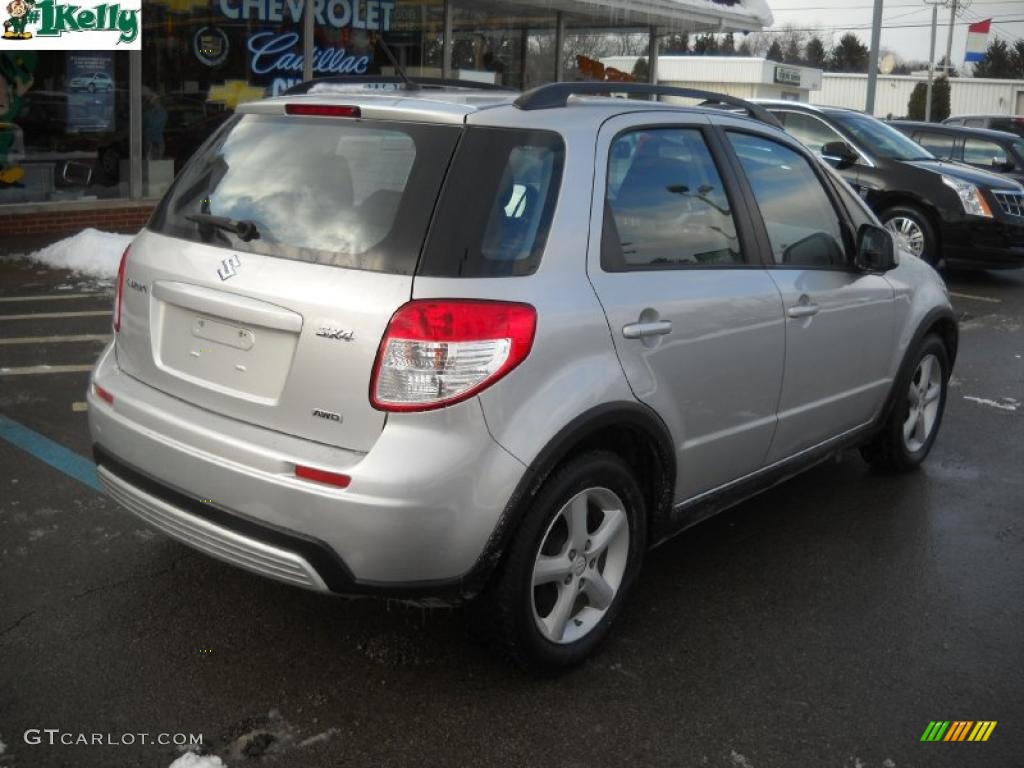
(910, 43)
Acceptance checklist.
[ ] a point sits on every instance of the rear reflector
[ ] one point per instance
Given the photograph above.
(438, 352)
(102, 394)
(322, 110)
(322, 476)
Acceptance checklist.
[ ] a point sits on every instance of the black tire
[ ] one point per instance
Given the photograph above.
(889, 450)
(506, 612)
(930, 252)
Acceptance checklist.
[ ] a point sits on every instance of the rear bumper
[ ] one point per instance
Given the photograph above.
(983, 243)
(417, 521)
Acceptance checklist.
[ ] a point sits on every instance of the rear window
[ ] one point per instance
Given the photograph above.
(343, 192)
(497, 204)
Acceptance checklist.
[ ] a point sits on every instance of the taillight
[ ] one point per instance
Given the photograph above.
(438, 352)
(120, 289)
(322, 110)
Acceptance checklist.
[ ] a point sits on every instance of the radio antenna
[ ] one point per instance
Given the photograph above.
(399, 70)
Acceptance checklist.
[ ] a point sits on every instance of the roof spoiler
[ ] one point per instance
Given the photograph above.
(400, 83)
(557, 95)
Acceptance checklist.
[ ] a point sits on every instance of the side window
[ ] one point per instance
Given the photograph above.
(939, 144)
(984, 153)
(856, 208)
(665, 204)
(809, 131)
(974, 122)
(803, 226)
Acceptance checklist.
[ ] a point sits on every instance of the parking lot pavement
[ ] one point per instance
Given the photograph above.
(824, 623)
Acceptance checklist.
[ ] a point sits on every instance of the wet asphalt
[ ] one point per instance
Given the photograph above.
(822, 624)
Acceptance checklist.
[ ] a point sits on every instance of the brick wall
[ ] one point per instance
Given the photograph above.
(115, 218)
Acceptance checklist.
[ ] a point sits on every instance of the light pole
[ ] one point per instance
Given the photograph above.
(876, 39)
(931, 59)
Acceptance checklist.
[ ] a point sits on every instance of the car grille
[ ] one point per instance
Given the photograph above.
(1012, 203)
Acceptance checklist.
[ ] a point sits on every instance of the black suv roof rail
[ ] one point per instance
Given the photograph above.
(557, 95)
(412, 84)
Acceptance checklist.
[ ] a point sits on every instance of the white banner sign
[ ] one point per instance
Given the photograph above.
(86, 25)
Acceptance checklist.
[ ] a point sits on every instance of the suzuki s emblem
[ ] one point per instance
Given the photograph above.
(229, 267)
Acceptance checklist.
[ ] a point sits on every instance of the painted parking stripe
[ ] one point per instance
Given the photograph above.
(46, 450)
(54, 297)
(57, 339)
(36, 370)
(53, 315)
(972, 297)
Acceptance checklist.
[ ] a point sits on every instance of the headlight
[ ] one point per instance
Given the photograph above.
(970, 196)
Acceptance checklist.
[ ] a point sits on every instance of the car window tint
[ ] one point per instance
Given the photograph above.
(810, 131)
(983, 153)
(854, 204)
(666, 206)
(497, 204)
(939, 144)
(802, 225)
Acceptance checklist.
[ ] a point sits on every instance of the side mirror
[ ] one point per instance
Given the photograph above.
(1001, 166)
(876, 251)
(839, 151)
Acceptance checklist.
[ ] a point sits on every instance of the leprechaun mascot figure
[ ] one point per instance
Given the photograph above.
(17, 74)
(14, 27)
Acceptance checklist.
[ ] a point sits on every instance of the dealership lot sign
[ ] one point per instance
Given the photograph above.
(51, 25)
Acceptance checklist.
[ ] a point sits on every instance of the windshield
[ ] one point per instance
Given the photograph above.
(880, 139)
(1018, 150)
(347, 193)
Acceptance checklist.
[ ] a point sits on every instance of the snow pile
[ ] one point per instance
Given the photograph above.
(192, 760)
(90, 252)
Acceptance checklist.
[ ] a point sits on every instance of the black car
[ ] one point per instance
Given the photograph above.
(1009, 123)
(997, 151)
(943, 210)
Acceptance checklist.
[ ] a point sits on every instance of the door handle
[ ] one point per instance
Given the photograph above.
(803, 310)
(643, 330)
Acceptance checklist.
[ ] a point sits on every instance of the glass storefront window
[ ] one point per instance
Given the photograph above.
(494, 41)
(63, 126)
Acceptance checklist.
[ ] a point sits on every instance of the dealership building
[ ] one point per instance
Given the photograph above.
(93, 138)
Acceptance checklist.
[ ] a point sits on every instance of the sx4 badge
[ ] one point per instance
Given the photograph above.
(51, 25)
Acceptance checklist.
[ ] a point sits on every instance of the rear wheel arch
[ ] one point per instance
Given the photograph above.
(630, 430)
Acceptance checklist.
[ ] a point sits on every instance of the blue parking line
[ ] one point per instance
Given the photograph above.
(45, 449)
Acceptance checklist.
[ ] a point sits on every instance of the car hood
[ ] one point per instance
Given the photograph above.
(964, 172)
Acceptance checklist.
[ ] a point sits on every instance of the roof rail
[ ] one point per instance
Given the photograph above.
(412, 84)
(557, 95)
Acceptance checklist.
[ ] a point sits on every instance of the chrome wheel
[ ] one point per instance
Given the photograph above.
(923, 403)
(909, 231)
(580, 566)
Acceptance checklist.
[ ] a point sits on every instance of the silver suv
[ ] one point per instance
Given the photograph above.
(450, 344)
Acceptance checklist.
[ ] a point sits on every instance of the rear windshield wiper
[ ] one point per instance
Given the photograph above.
(244, 228)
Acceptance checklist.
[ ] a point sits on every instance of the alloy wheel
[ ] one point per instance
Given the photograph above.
(923, 403)
(580, 565)
(910, 231)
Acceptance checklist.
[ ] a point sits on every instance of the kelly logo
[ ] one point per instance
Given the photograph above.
(85, 25)
(958, 730)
